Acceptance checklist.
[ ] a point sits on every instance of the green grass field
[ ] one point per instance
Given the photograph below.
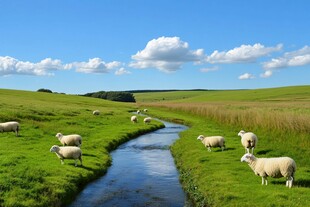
(30, 175)
(280, 117)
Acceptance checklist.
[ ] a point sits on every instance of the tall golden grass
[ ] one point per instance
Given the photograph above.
(270, 116)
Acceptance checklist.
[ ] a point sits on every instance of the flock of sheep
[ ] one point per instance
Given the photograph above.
(273, 167)
(264, 167)
(71, 144)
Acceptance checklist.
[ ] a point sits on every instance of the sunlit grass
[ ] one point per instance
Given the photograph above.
(30, 175)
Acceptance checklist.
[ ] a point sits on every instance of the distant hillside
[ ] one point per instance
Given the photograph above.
(269, 94)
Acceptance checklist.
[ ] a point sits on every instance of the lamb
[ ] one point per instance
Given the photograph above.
(147, 120)
(70, 140)
(212, 141)
(96, 112)
(274, 167)
(248, 140)
(134, 119)
(67, 153)
(11, 126)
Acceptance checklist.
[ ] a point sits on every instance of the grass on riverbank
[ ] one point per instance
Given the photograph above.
(219, 178)
(30, 175)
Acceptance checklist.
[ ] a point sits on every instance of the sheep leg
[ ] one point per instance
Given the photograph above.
(209, 149)
(264, 180)
(75, 162)
(289, 182)
(62, 161)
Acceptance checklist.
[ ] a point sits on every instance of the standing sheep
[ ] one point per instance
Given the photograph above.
(11, 126)
(274, 167)
(68, 153)
(147, 120)
(134, 119)
(96, 112)
(213, 141)
(138, 112)
(70, 140)
(248, 140)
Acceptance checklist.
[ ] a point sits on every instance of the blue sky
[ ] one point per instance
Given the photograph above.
(84, 46)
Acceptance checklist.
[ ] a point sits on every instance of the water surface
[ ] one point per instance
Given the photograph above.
(142, 174)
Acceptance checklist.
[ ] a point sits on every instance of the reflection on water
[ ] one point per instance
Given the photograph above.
(142, 174)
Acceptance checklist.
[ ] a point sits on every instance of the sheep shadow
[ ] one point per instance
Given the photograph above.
(263, 152)
(300, 183)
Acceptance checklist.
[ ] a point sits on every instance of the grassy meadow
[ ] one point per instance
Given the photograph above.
(280, 118)
(30, 175)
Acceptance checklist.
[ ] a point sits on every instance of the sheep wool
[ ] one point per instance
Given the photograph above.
(68, 153)
(96, 112)
(70, 140)
(11, 126)
(134, 119)
(248, 140)
(212, 141)
(276, 167)
(147, 120)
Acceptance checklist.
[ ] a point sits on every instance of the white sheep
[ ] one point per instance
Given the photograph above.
(138, 111)
(68, 153)
(212, 141)
(70, 140)
(145, 110)
(147, 120)
(248, 140)
(134, 119)
(96, 112)
(274, 167)
(11, 126)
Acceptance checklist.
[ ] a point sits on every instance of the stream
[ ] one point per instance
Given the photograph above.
(143, 173)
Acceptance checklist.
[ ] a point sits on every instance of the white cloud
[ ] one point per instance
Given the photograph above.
(167, 54)
(206, 70)
(94, 65)
(244, 53)
(246, 76)
(122, 71)
(266, 74)
(290, 59)
(10, 66)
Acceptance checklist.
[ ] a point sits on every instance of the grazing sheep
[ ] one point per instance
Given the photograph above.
(68, 153)
(213, 141)
(147, 120)
(70, 140)
(134, 119)
(274, 167)
(11, 126)
(138, 112)
(145, 110)
(96, 112)
(248, 140)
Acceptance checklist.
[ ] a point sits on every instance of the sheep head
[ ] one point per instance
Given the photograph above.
(247, 158)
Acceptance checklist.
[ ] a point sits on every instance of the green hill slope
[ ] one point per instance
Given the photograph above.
(30, 175)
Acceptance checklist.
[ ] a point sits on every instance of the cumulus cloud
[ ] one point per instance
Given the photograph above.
(246, 76)
(242, 54)
(122, 71)
(299, 57)
(167, 54)
(94, 65)
(10, 66)
(206, 70)
(266, 74)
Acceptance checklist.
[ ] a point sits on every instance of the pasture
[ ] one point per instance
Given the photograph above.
(280, 118)
(30, 175)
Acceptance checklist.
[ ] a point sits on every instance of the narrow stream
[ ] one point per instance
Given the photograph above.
(142, 174)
